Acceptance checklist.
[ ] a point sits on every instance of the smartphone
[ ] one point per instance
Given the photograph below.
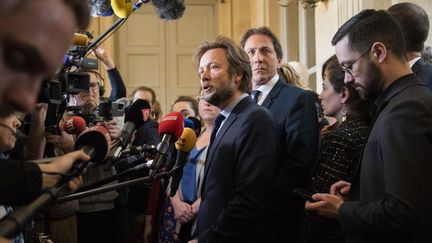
(303, 194)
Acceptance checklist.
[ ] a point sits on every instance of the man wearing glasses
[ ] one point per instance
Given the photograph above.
(387, 200)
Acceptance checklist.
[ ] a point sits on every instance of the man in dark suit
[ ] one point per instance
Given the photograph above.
(414, 23)
(295, 113)
(240, 165)
(389, 199)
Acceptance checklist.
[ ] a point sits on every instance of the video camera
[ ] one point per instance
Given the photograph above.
(69, 80)
(73, 78)
(105, 111)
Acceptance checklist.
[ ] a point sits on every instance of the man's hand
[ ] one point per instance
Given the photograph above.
(62, 165)
(112, 128)
(61, 141)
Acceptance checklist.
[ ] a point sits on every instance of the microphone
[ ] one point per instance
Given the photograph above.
(109, 12)
(132, 163)
(75, 125)
(170, 128)
(80, 39)
(95, 142)
(138, 150)
(169, 9)
(135, 117)
(122, 8)
(184, 145)
(99, 7)
(188, 123)
(196, 126)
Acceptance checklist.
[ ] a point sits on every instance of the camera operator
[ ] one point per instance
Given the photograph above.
(118, 88)
(62, 218)
(26, 31)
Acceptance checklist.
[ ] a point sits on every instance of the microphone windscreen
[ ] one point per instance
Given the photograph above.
(97, 137)
(125, 101)
(138, 113)
(99, 7)
(75, 125)
(197, 125)
(171, 123)
(109, 12)
(187, 140)
(80, 39)
(122, 8)
(169, 9)
(189, 123)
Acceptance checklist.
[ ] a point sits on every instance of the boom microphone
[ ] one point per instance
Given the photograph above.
(135, 117)
(169, 9)
(122, 8)
(75, 125)
(99, 7)
(184, 145)
(170, 128)
(80, 39)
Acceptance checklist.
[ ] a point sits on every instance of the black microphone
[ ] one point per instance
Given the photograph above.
(184, 145)
(135, 117)
(170, 128)
(196, 125)
(138, 150)
(135, 162)
(169, 9)
(94, 142)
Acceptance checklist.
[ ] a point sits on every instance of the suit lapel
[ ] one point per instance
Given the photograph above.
(214, 147)
(274, 93)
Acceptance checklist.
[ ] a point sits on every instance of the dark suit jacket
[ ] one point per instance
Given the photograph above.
(239, 174)
(295, 114)
(392, 190)
(20, 182)
(423, 71)
(139, 194)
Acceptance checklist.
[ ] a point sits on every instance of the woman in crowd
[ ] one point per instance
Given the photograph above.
(179, 219)
(340, 149)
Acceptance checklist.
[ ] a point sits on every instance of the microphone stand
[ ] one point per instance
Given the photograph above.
(114, 26)
(120, 185)
(122, 174)
(14, 223)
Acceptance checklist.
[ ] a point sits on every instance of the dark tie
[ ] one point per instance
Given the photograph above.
(216, 126)
(255, 95)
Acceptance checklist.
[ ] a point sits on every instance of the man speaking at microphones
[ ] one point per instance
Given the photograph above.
(243, 150)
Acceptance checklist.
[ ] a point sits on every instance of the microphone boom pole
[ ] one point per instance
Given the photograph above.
(117, 186)
(113, 27)
(14, 223)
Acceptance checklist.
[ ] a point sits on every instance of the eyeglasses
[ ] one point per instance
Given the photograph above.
(94, 85)
(348, 69)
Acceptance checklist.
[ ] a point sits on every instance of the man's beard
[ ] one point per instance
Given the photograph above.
(221, 94)
(374, 83)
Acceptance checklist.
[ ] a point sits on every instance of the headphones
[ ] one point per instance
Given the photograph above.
(101, 81)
